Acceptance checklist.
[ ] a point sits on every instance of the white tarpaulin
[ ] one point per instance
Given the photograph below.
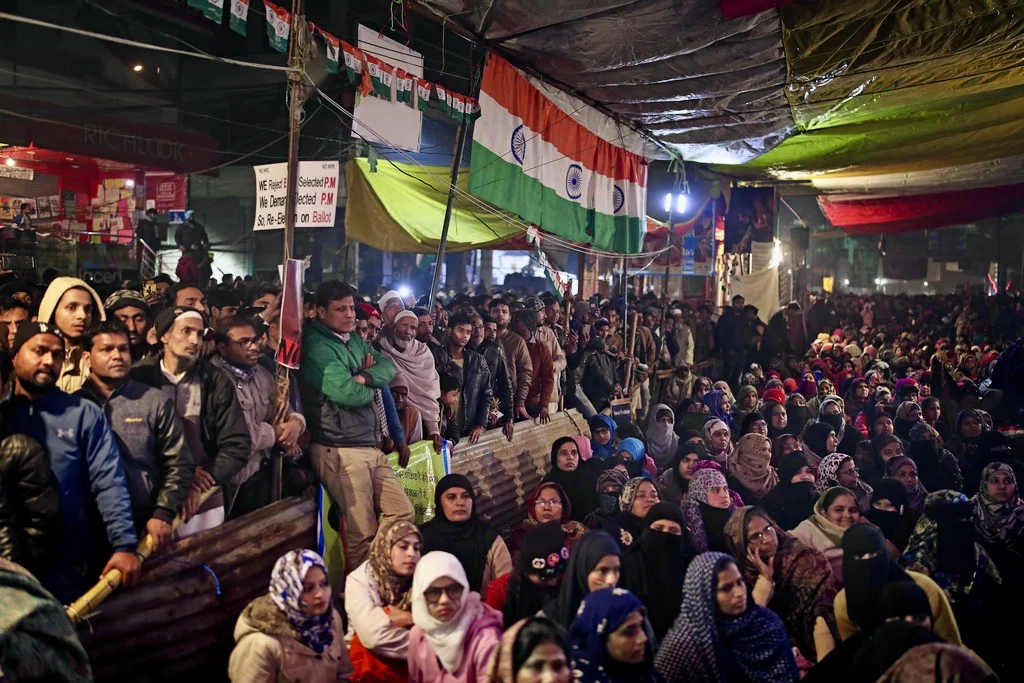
(761, 289)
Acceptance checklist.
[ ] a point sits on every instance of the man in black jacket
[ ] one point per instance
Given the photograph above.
(157, 463)
(484, 340)
(455, 358)
(733, 336)
(204, 398)
(29, 503)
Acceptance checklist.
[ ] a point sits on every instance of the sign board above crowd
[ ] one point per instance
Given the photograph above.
(316, 197)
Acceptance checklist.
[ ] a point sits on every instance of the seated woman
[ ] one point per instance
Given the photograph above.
(717, 440)
(890, 511)
(939, 662)
(577, 480)
(904, 470)
(534, 581)
(999, 516)
(706, 508)
(819, 441)
(798, 413)
(292, 632)
(968, 428)
(776, 419)
(602, 441)
(457, 530)
(593, 564)
(746, 402)
(786, 576)
(454, 633)
(612, 640)
(754, 423)
(547, 503)
(882, 449)
(378, 603)
(636, 500)
(675, 481)
(839, 469)
(720, 634)
(720, 406)
(630, 453)
(654, 566)
(609, 487)
(662, 440)
(533, 647)
(691, 415)
(750, 468)
(834, 513)
(908, 414)
(792, 500)
(784, 444)
(936, 466)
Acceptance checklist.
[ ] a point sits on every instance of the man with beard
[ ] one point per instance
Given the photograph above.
(542, 387)
(157, 463)
(425, 328)
(455, 359)
(414, 359)
(484, 340)
(83, 458)
(547, 337)
(520, 366)
(224, 304)
(204, 398)
(135, 314)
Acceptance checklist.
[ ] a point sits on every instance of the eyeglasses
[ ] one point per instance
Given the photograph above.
(246, 341)
(548, 503)
(452, 590)
(762, 536)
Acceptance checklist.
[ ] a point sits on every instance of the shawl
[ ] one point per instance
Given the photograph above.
(814, 439)
(710, 427)
(584, 557)
(627, 527)
(600, 614)
(661, 438)
(804, 586)
(681, 483)
(702, 647)
(417, 364)
(603, 451)
(938, 663)
(469, 541)
(446, 638)
(579, 486)
(821, 523)
(607, 503)
(751, 467)
(393, 589)
(854, 404)
(501, 667)
(790, 503)
(713, 400)
(827, 471)
(915, 495)
(698, 514)
(315, 631)
(998, 522)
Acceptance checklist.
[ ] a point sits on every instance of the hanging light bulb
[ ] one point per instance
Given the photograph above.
(667, 204)
(10, 161)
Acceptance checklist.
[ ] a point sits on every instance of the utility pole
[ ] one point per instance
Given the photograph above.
(297, 47)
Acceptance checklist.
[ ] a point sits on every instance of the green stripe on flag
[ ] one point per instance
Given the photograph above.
(211, 9)
(503, 183)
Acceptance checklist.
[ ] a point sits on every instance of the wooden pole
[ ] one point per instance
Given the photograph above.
(629, 363)
(111, 581)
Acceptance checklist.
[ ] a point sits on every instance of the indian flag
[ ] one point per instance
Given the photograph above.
(558, 162)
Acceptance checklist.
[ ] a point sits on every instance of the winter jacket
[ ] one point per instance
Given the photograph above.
(733, 331)
(74, 371)
(547, 336)
(192, 235)
(340, 412)
(224, 434)
(597, 378)
(476, 386)
(683, 337)
(542, 387)
(520, 367)
(501, 382)
(481, 640)
(29, 503)
(368, 620)
(268, 650)
(158, 464)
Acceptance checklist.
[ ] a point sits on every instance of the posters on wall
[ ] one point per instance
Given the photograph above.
(166, 191)
(42, 207)
(699, 244)
(316, 196)
(751, 218)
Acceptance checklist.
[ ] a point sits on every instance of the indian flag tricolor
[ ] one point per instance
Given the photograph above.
(557, 162)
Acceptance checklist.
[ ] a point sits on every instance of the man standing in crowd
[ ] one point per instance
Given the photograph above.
(455, 359)
(733, 335)
(703, 337)
(224, 304)
(238, 353)
(204, 398)
(135, 314)
(546, 336)
(84, 460)
(192, 295)
(414, 360)
(520, 367)
(484, 341)
(13, 312)
(340, 376)
(157, 463)
(597, 367)
(71, 306)
(538, 398)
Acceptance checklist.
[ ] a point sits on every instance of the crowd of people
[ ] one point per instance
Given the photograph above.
(831, 495)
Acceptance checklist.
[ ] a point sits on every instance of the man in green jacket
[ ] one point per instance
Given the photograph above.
(340, 376)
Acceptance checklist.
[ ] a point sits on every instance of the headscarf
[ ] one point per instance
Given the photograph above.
(828, 470)
(938, 663)
(635, 448)
(915, 496)
(661, 438)
(469, 541)
(393, 589)
(713, 400)
(684, 484)
(446, 638)
(706, 523)
(804, 586)
(723, 386)
(501, 668)
(853, 403)
(603, 452)
(703, 647)
(873, 465)
(710, 427)
(584, 556)
(791, 503)
(820, 518)
(902, 423)
(814, 439)
(585, 448)
(744, 391)
(998, 522)
(897, 525)
(867, 570)
(808, 388)
(579, 486)
(570, 528)
(543, 553)
(749, 419)
(315, 631)
(601, 613)
(751, 468)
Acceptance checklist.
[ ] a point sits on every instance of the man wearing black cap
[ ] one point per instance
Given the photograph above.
(520, 365)
(83, 457)
(205, 400)
(224, 304)
(134, 312)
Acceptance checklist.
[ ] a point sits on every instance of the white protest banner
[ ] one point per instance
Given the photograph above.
(316, 198)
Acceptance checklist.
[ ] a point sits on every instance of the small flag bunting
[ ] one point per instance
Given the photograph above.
(387, 79)
(422, 94)
(211, 9)
(353, 62)
(279, 25)
(333, 50)
(240, 16)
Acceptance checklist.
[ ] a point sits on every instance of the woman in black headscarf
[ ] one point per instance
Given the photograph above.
(820, 439)
(656, 564)
(636, 500)
(936, 466)
(457, 530)
(890, 511)
(594, 563)
(969, 426)
(534, 582)
(675, 481)
(992, 446)
(578, 482)
(792, 500)
(797, 414)
(777, 418)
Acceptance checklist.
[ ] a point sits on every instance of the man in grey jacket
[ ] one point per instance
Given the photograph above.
(157, 462)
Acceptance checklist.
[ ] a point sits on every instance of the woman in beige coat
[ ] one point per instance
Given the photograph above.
(292, 633)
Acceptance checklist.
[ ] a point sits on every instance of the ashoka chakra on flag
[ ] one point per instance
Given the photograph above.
(519, 144)
(574, 181)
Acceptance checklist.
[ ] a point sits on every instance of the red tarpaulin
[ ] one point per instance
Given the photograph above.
(731, 9)
(920, 212)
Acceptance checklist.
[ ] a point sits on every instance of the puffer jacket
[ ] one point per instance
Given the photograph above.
(476, 387)
(268, 650)
(224, 434)
(29, 503)
(74, 371)
(339, 410)
(501, 382)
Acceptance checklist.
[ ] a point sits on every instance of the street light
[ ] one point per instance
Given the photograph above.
(137, 68)
(680, 201)
(846, 282)
(878, 280)
(925, 283)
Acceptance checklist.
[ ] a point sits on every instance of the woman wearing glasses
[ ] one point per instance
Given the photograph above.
(788, 577)
(839, 469)
(547, 503)
(454, 633)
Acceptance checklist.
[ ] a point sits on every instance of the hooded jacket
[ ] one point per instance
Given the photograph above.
(74, 371)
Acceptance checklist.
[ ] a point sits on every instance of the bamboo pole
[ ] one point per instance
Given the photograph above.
(629, 363)
(111, 581)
